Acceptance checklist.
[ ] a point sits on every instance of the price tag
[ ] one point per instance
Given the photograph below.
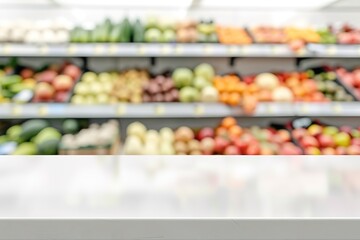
(301, 52)
(43, 111)
(245, 50)
(305, 108)
(275, 49)
(44, 50)
(159, 110)
(113, 49)
(199, 110)
(121, 110)
(179, 49)
(233, 49)
(165, 50)
(337, 108)
(72, 49)
(208, 49)
(16, 110)
(270, 108)
(331, 50)
(7, 49)
(99, 49)
(142, 50)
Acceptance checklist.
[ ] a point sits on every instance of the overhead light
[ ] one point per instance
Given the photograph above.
(307, 4)
(127, 3)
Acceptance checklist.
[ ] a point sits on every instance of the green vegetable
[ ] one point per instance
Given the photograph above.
(31, 128)
(49, 147)
(27, 148)
(138, 30)
(70, 126)
(14, 132)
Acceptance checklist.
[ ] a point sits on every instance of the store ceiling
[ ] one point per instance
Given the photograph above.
(194, 4)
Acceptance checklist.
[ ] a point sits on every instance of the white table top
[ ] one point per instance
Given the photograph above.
(197, 192)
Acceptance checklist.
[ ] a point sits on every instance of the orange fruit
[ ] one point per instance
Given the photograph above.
(224, 97)
(234, 99)
(221, 131)
(228, 122)
(235, 131)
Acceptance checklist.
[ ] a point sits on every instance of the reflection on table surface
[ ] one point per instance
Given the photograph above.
(179, 186)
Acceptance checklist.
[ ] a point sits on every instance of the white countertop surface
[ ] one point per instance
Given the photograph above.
(205, 191)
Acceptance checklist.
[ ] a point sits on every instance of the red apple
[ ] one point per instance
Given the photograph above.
(312, 151)
(284, 135)
(326, 141)
(346, 129)
(340, 150)
(231, 150)
(348, 79)
(355, 141)
(220, 144)
(207, 145)
(289, 149)
(266, 150)
(27, 73)
(353, 150)
(328, 151)
(61, 96)
(315, 129)
(44, 91)
(205, 132)
(46, 76)
(253, 149)
(241, 145)
(299, 133)
(309, 141)
(62, 83)
(72, 71)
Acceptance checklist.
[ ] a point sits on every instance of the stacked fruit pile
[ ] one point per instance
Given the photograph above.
(197, 85)
(95, 140)
(228, 139)
(350, 79)
(232, 35)
(267, 34)
(55, 83)
(30, 138)
(52, 84)
(348, 35)
(328, 140)
(160, 89)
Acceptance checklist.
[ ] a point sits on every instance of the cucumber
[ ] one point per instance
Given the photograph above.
(138, 31)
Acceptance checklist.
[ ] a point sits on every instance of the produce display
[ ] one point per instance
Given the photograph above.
(30, 138)
(351, 79)
(227, 139)
(96, 140)
(50, 84)
(40, 137)
(348, 35)
(159, 31)
(233, 35)
(267, 34)
(160, 89)
(319, 138)
(35, 32)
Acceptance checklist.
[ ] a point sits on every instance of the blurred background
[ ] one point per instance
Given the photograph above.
(192, 77)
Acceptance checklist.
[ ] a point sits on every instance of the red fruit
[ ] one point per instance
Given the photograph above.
(312, 151)
(248, 79)
(253, 149)
(326, 141)
(284, 135)
(62, 83)
(296, 45)
(61, 96)
(44, 91)
(356, 75)
(353, 150)
(72, 71)
(220, 144)
(346, 129)
(266, 151)
(205, 132)
(355, 141)
(340, 150)
(27, 73)
(46, 76)
(241, 145)
(309, 141)
(348, 79)
(289, 149)
(299, 133)
(231, 150)
(328, 151)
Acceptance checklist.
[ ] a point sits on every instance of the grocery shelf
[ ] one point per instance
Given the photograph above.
(335, 50)
(174, 110)
(149, 50)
